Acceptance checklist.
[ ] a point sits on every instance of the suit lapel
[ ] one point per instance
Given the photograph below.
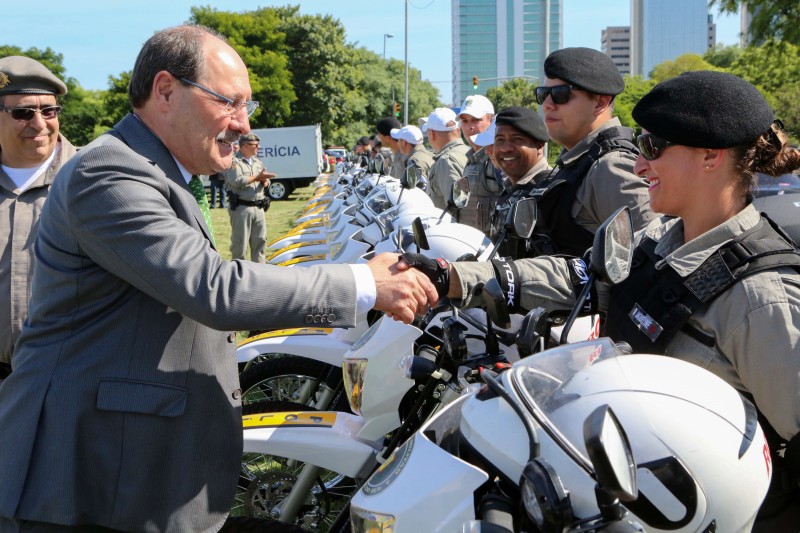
(140, 139)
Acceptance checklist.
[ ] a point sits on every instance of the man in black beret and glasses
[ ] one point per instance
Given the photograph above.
(31, 152)
(595, 168)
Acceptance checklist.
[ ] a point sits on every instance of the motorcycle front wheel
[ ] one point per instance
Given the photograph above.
(294, 379)
(266, 483)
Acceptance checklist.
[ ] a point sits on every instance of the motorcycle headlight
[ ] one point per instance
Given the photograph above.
(544, 498)
(363, 521)
(354, 371)
(328, 221)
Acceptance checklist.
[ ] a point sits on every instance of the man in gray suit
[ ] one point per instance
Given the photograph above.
(123, 408)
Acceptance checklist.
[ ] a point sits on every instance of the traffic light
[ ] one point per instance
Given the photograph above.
(397, 110)
(475, 82)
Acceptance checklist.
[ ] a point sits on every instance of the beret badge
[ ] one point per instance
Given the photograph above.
(4, 80)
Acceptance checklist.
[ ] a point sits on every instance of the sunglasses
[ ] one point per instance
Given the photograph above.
(27, 113)
(651, 146)
(559, 94)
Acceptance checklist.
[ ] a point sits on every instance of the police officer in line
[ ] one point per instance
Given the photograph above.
(475, 117)
(31, 152)
(450, 154)
(409, 141)
(518, 147)
(246, 181)
(731, 275)
(396, 163)
(595, 168)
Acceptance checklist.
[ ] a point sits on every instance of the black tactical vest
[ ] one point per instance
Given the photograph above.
(512, 246)
(649, 308)
(556, 231)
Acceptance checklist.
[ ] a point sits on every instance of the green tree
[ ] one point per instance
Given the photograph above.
(778, 19)
(722, 56)
(516, 92)
(635, 88)
(257, 38)
(686, 62)
(115, 99)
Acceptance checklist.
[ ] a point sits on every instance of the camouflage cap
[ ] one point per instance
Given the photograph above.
(249, 138)
(23, 75)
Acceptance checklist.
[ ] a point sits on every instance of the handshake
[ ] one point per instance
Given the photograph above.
(408, 285)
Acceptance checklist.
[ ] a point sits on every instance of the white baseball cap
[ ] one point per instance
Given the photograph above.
(477, 106)
(486, 137)
(438, 119)
(409, 134)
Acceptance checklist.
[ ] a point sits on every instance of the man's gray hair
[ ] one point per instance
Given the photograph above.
(178, 50)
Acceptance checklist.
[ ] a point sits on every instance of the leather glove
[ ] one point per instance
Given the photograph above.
(437, 270)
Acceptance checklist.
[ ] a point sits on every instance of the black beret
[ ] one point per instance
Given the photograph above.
(363, 141)
(585, 68)
(704, 109)
(387, 124)
(23, 75)
(525, 120)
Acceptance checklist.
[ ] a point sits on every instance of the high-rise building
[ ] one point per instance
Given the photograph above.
(615, 42)
(712, 32)
(662, 31)
(497, 40)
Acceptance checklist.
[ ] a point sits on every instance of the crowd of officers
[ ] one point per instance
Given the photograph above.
(503, 157)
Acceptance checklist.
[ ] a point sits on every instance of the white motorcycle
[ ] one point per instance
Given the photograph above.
(579, 438)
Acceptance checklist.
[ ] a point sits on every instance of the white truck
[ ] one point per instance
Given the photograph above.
(294, 154)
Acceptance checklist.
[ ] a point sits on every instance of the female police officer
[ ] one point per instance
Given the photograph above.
(717, 283)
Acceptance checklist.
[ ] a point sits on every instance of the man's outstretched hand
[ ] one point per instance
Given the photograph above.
(401, 293)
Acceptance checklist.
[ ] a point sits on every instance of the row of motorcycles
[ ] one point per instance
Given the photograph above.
(479, 420)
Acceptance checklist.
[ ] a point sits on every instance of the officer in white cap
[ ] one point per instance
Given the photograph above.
(409, 141)
(31, 152)
(450, 156)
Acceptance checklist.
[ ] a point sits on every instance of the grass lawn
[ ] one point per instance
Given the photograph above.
(280, 219)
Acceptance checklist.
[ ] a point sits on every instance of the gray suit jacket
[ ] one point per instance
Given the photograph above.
(123, 408)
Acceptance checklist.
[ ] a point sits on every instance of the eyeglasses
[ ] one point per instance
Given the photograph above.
(651, 146)
(27, 113)
(558, 93)
(231, 106)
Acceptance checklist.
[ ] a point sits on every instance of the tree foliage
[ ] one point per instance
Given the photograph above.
(722, 56)
(635, 88)
(772, 19)
(516, 92)
(685, 63)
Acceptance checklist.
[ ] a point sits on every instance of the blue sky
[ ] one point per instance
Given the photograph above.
(98, 39)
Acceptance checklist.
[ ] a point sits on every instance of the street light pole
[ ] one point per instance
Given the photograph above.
(405, 104)
(386, 36)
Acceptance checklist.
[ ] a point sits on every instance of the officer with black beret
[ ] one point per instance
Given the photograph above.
(394, 160)
(519, 140)
(595, 168)
(713, 282)
(31, 152)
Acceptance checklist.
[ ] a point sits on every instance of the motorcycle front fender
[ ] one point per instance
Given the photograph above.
(325, 438)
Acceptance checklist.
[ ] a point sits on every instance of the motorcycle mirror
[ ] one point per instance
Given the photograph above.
(454, 338)
(380, 168)
(612, 250)
(533, 332)
(410, 178)
(363, 161)
(523, 216)
(459, 193)
(495, 302)
(610, 452)
(419, 235)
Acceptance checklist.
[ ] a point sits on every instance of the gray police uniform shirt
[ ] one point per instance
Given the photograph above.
(18, 225)
(610, 183)
(398, 165)
(448, 166)
(484, 191)
(755, 323)
(421, 158)
(237, 175)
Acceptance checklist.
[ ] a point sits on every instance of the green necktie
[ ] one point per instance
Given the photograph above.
(199, 192)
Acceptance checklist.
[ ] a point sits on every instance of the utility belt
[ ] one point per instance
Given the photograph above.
(235, 202)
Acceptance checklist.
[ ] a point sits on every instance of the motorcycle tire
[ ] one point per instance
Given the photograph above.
(263, 477)
(293, 379)
(246, 524)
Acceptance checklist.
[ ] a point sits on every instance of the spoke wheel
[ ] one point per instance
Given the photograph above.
(266, 480)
